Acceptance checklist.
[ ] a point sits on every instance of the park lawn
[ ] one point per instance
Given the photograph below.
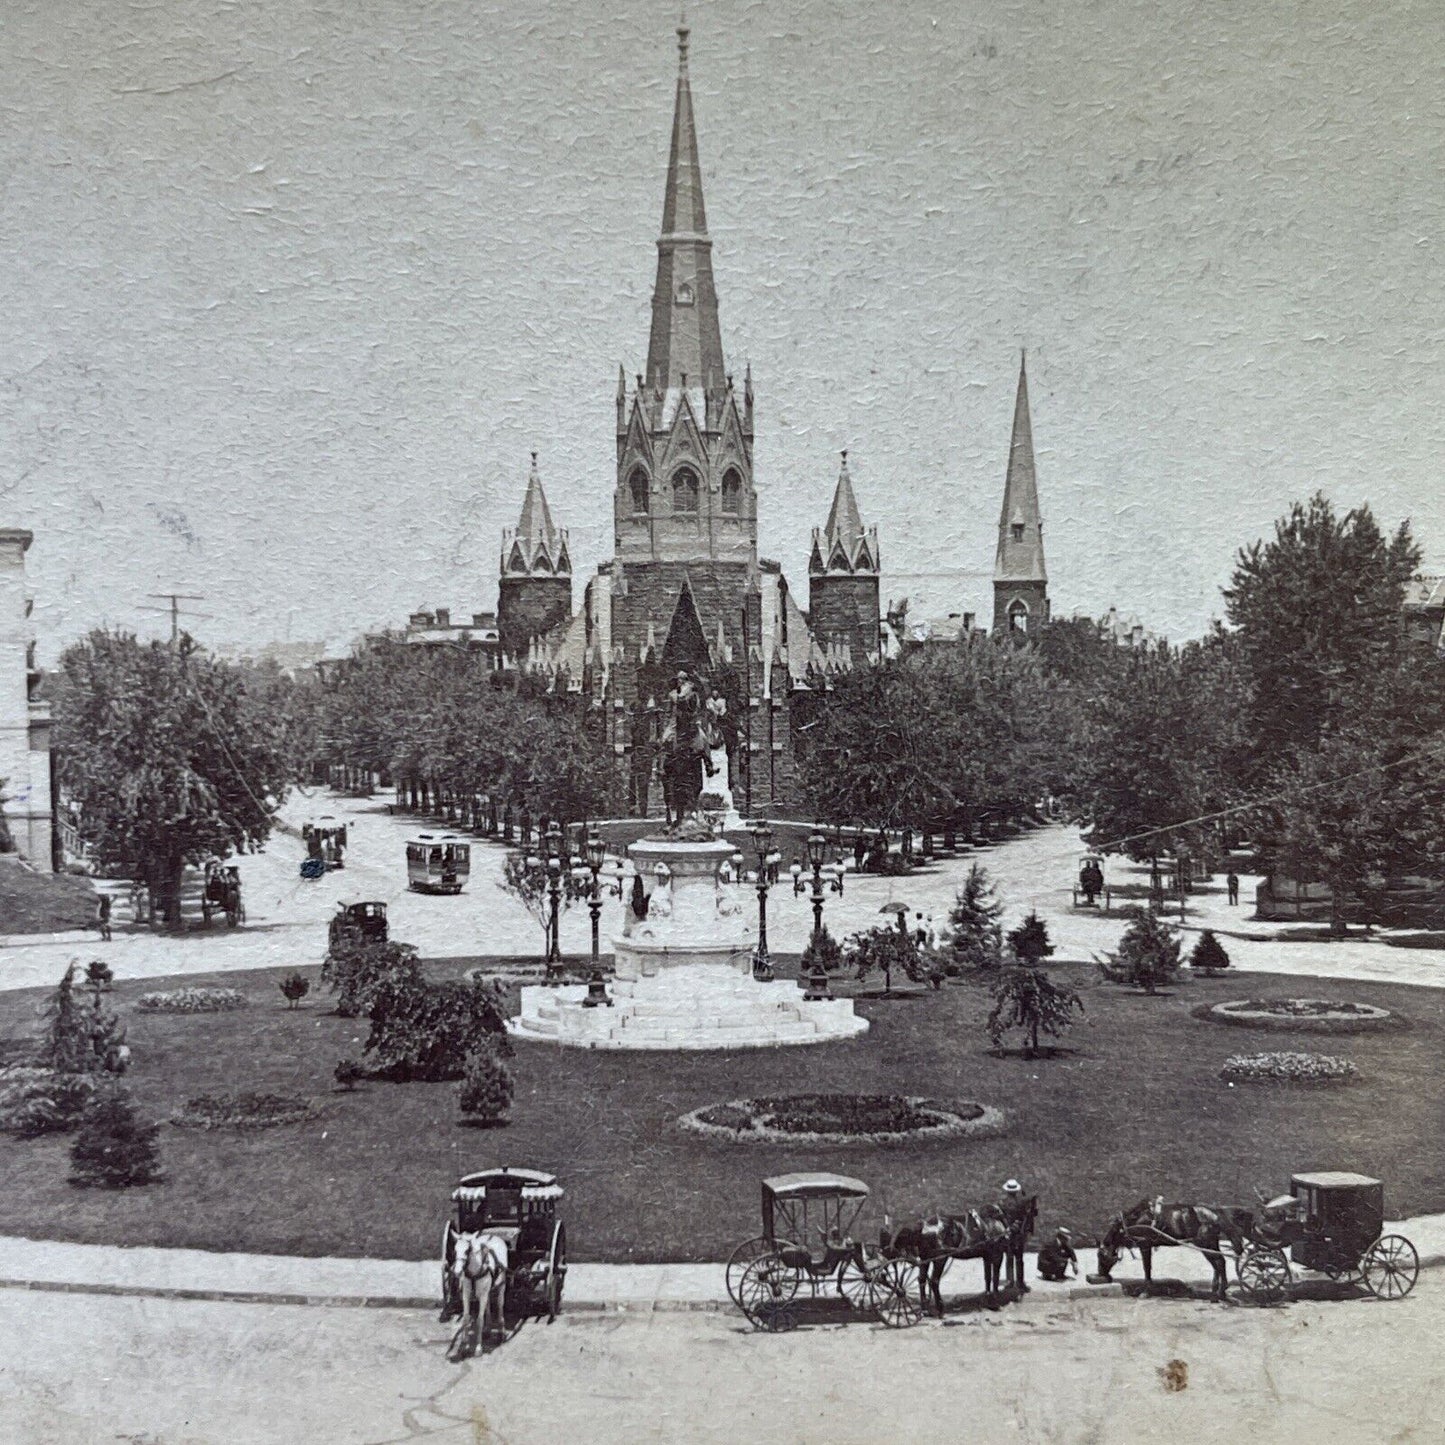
(43, 902)
(1137, 1110)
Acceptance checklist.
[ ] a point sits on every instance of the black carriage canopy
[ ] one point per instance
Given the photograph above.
(790, 1195)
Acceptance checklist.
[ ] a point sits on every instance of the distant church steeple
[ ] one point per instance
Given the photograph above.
(1020, 582)
(535, 587)
(843, 569)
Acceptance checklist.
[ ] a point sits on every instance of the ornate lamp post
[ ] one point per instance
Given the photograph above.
(596, 857)
(817, 846)
(554, 899)
(762, 964)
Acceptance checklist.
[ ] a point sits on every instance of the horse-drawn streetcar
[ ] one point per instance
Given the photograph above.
(1331, 1222)
(807, 1247)
(504, 1251)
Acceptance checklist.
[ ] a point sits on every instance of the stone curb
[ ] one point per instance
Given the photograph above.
(1113, 1290)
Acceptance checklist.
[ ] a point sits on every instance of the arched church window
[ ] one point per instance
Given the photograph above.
(732, 492)
(637, 489)
(684, 490)
(1018, 615)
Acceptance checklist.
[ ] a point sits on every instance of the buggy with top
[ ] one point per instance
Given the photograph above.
(807, 1249)
(1331, 1222)
(363, 921)
(519, 1207)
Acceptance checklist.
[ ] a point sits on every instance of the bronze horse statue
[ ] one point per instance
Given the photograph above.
(1152, 1224)
(937, 1241)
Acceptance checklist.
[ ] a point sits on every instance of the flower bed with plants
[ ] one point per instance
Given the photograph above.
(243, 1111)
(192, 1001)
(842, 1119)
(1308, 1015)
(1288, 1069)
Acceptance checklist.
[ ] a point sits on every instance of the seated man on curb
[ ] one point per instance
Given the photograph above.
(1057, 1256)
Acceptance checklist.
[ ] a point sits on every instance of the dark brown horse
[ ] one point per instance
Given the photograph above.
(936, 1242)
(1151, 1224)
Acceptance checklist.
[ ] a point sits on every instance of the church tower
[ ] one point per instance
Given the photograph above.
(843, 572)
(1020, 583)
(534, 592)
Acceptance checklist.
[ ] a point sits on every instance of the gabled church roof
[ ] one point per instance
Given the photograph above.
(1020, 556)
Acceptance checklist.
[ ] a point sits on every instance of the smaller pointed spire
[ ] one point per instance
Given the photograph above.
(537, 544)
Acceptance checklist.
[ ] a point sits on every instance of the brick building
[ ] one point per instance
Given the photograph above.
(24, 715)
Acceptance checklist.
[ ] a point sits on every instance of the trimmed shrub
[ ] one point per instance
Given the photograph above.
(422, 1030)
(888, 865)
(115, 1148)
(356, 969)
(1029, 942)
(294, 988)
(486, 1090)
(1148, 953)
(1208, 955)
(975, 937)
(192, 1000)
(42, 1101)
(888, 949)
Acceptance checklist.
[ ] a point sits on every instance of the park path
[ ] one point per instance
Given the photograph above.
(287, 917)
(202, 1274)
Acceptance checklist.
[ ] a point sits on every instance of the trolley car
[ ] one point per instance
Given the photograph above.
(437, 862)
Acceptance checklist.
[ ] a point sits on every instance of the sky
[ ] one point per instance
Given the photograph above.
(292, 288)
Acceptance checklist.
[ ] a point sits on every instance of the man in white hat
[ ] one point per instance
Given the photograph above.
(1057, 1257)
(1015, 1210)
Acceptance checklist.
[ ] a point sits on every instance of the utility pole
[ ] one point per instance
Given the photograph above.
(174, 599)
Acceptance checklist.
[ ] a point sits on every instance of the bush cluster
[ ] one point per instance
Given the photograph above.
(842, 1114)
(36, 1101)
(192, 1000)
(424, 1030)
(356, 969)
(486, 1090)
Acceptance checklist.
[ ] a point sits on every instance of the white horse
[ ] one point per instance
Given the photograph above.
(479, 1270)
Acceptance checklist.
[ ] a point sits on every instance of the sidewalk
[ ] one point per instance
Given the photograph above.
(408, 1284)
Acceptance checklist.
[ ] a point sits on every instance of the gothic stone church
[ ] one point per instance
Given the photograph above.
(685, 587)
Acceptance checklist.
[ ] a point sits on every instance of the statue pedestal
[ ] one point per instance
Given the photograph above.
(683, 974)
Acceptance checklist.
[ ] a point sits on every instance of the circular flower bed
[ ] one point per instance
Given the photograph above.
(192, 1001)
(1300, 1015)
(243, 1111)
(1288, 1069)
(841, 1119)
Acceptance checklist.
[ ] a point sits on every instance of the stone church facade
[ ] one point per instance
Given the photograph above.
(685, 587)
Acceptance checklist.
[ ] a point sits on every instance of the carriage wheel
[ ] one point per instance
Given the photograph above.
(1390, 1267)
(899, 1307)
(556, 1272)
(765, 1293)
(1264, 1275)
(741, 1258)
(865, 1286)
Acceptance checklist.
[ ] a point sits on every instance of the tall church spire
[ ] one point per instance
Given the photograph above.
(1019, 579)
(685, 348)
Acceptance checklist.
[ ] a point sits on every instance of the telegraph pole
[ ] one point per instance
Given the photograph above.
(174, 600)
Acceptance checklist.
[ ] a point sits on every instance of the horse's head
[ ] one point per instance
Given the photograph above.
(479, 1256)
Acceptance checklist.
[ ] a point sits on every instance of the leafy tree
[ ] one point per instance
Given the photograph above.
(355, 968)
(887, 949)
(1148, 952)
(1025, 997)
(115, 1148)
(294, 988)
(975, 935)
(1029, 942)
(486, 1090)
(168, 766)
(422, 1030)
(526, 878)
(1209, 955)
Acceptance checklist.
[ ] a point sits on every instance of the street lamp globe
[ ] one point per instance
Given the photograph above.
(817, 847)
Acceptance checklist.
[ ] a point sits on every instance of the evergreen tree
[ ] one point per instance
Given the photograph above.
(1208, 955)
(1030, 941)
(486, 1089)
(1148, 952)
(1027, 998)
(115, 1148)
(975, 934)
(82, 1036)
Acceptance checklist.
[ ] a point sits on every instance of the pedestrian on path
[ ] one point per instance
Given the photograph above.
(102, 916)
(1232, 883)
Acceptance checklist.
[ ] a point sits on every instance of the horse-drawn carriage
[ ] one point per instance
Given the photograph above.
(1333, 1223)
(362, 921)
(1090, 883)
(325, 840)
(221, 893)
(806, 1246)
(504, 1251)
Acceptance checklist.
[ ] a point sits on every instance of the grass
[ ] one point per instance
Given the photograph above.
(1136, 1109)
(43, 902)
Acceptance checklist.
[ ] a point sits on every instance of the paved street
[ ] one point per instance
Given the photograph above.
(286, 917)
(80, 1369)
